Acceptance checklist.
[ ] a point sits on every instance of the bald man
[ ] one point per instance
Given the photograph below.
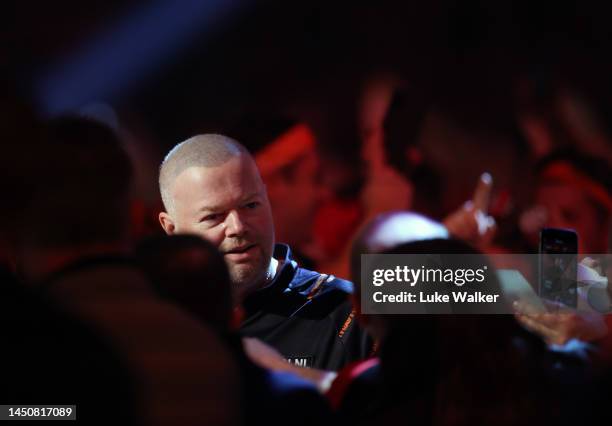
(211, 187)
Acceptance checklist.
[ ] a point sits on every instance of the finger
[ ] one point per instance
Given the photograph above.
(523, 307)
(526, 307)
(548, 333)
(461, 223)
(491, 225)
(482, 194)
(537, 327)
(489, 235)
(556, 307)
(545, 319)
(520, 307)
(483, 222)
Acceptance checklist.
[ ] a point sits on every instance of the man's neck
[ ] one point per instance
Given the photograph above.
(273, 268)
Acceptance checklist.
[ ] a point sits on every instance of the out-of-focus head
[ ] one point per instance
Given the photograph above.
(191, 272)
(290, 168)
(79, 199)
(574, 191)
(382, 326)
(82, 190)
(383, 233)
(458, 350)
(210, 187)
(63, 358)
(389, 230)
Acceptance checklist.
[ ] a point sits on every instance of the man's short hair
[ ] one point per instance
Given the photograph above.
(208, 150)
(591, 174)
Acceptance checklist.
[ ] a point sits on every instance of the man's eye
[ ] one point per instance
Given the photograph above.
(210, 217)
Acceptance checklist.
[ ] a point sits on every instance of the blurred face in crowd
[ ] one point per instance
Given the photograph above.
(228, 206)
(567, 206)
(295, 196)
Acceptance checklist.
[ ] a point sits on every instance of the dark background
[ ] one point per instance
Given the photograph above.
(256, 59)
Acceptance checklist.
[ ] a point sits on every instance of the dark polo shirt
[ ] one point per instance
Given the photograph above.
(306, 316)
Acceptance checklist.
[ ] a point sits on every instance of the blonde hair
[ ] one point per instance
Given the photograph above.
(208, 150)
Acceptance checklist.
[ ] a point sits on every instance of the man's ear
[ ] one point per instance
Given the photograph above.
(167, 223)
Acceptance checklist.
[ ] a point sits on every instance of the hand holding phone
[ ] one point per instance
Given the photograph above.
(558, 266)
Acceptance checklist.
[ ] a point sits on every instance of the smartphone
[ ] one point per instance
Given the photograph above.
(558, 266)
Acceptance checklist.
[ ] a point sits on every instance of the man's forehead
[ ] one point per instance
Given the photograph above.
(232, 180)
(559, 193)
(237, 168)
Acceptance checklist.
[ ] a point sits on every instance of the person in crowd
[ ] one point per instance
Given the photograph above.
(290, 169)
(400, 175)
(189, 271)
(75, 253)
(50, 356)
(424, 136)
(383, 232)
(573, 192)
(211, 187)
(451, 361)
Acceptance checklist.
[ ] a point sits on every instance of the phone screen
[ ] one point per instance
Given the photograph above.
(558, 266)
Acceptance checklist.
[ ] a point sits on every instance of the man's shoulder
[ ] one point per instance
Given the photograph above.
(308, 282)
(314, 284)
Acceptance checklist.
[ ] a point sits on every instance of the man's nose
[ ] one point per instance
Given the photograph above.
(234, 226)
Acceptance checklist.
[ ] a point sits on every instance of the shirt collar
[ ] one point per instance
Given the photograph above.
(280, 283)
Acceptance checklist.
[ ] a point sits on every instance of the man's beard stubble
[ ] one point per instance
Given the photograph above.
(247, 277)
